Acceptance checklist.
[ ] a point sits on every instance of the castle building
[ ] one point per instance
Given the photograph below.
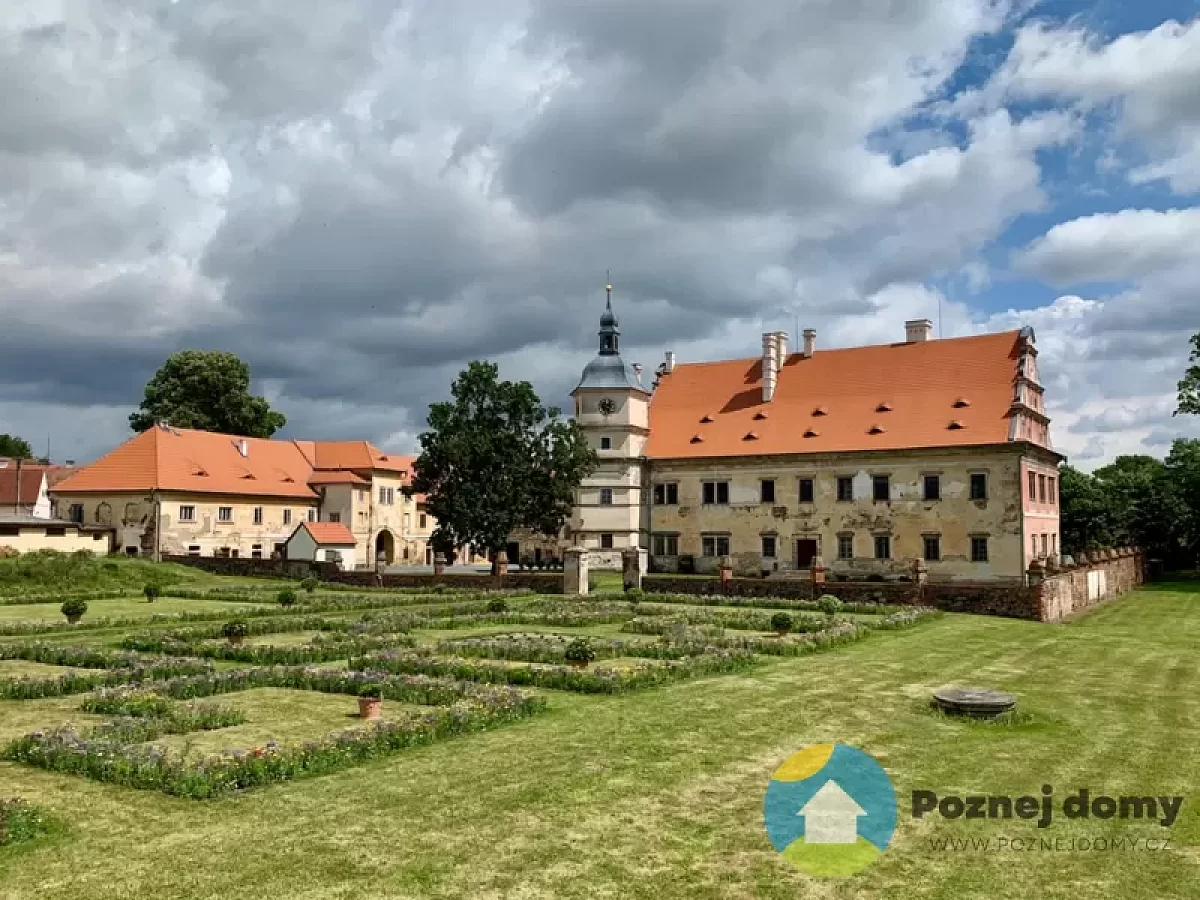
(868, 457)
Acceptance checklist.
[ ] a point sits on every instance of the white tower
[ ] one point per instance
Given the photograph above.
(613, 408)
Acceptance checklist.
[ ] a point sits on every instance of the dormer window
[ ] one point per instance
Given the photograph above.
(884, 407)
(760, 415)
(876, 429)
(707, 420)
(961, 402)
(696, 439)
(750, 436)
(812, 433)
(955, 425)
(820, 411)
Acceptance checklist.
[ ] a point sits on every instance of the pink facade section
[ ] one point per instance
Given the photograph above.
(1040, 510)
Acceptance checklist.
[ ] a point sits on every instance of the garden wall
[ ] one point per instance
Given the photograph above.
(543, 583)
(1051, 594)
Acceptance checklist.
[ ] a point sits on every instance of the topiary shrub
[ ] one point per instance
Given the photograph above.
(635, 595)
(497, 605)
(235, 632)
(286, 597)
(74, 609)
(580, 652)
(829, 604)
(152, 592)
(782, 623)
(309, 584)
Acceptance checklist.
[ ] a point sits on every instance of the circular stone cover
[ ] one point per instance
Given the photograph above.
(972, 701)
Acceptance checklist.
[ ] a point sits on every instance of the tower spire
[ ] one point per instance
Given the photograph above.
(609, 333)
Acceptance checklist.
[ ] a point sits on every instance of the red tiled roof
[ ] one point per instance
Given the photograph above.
(181, 459)
(30, 484)
(325, 533)
(357, 455)
(337, 478)
(835, 400)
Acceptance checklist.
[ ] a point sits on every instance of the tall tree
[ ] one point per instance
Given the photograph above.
(14, 447)
(1183, 471)
(1143, 506)
(1189, 385)
(496, 460)
(208, 390)
(1084, 512)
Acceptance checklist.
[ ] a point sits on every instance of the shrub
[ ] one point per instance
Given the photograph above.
(286, 597)
(497, 605)
(635, 595)
(74, 608)
(235, 630)
(781, 623)
(372, 690)
(20, 822)
(580, 650)
(309, 584)
(152, 592)
(829, 604)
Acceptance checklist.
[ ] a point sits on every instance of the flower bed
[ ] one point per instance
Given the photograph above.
(862, 609)
(125, 668)
(595, 680)
(461, 707)
(552, 648)
(337, 645)
(662, 620)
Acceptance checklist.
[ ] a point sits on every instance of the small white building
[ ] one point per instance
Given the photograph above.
(322, 542)
(26, 533)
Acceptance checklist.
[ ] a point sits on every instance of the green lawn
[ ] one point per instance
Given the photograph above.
(131, 607)
(659, 794)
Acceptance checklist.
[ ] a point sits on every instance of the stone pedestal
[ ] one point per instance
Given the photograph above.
(575, 572)
(726, 571)
(1036, 573)
(816, 573)
(631, 568)
(439, 565)
(920, 572)
(500, 564)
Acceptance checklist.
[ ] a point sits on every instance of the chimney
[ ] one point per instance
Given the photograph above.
(810, 342)
(243, 447)
(670, 362)
(770, 363)
(917, 330)
(781, 350)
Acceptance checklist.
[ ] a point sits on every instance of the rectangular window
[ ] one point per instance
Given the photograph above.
(606, 541)
(767, 490)
(335, 517)
(883, 546)
(606, 496)
(933, 487)
(258, 513)
(424, 521)
(256, 552)
(1032, 486)
(880, 487)
(845, 546)
(1054, 545)
(187, 514)
(56, 532)
(979, 549)
(1041, 489)
(768, 546)
(716, 492)
(845, 488)
(193, 549)
(224, 513)
(806, 490)
(1033, 546)
(605, 443)
(362, 495)
(933, 547)
(312, 515)
(76, 512)
(10, 531)
(715, 544)
(1052, 490)
(383, 495)
(1045, 544)
(287, 517)
(666, 545)
(978, 486)
(666, 494)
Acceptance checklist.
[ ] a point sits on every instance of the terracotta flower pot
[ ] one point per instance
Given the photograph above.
(579, 663)
(370, 707)
(236, 640)
(73, 620)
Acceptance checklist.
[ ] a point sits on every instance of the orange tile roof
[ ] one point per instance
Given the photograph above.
(328, 532)
(184, 460)
(357, 455)
(884, 397)
(337, 477)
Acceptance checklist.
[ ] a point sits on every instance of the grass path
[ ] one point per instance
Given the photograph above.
(659, 794)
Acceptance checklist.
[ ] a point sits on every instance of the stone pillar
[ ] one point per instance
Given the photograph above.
(1037, 573)
(575, 572)
(500, 564)
(439, 565)
(920, 577)
(816, 573)
(726, 572)
(631, 568)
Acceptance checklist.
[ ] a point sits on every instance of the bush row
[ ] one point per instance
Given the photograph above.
(149, 669)
(864, 609)
(598, 680)
(552, 648)
(467, 708)
(323, 648)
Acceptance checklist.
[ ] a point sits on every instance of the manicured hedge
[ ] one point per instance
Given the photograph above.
(145, 669)
(321, 649)
(863, 609)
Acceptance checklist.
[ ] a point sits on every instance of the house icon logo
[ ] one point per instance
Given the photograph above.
(830, 809)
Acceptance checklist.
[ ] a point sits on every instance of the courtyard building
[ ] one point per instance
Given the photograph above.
(177, 491)
(866, 458)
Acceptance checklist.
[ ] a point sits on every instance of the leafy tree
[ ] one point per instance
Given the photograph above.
(208, 390)
(1189, 385)
(1183, 472)
(15, 447)
(1143, 507)
(1084, 513)
(495, 460)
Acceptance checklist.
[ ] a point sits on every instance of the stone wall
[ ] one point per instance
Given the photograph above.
(543, 583)
(1050, 595)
